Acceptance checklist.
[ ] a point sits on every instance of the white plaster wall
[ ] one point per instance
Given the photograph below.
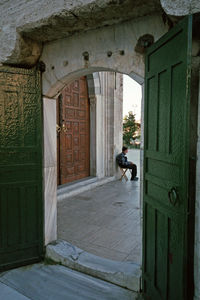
(50, 170)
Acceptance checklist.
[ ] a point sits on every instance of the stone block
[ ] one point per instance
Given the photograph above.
(125, 274)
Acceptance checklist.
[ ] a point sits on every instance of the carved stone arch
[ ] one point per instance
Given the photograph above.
(94, 85)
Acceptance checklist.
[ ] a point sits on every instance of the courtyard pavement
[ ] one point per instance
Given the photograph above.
(105, 221)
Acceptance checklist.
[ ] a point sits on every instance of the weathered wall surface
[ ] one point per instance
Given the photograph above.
(111, 48)
(180, 7)
(25, 25)
(22, 22)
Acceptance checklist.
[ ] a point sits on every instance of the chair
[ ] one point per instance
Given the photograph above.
(123, 171)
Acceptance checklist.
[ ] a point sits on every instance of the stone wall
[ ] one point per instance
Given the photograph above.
(105, 49)
(180, 7)
(25, 25)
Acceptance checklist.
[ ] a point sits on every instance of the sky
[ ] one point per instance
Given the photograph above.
(132, 94)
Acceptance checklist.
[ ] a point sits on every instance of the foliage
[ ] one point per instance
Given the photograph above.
(131, 129)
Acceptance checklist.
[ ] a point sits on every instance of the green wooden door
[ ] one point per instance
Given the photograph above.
(21, 205)
(166, 159)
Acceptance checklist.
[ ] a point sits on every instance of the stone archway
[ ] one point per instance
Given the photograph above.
(116, 52)
(115, 48)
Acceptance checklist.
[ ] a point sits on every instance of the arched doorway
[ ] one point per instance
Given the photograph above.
(151, 189)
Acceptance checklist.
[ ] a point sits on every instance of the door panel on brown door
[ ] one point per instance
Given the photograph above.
(74, 136)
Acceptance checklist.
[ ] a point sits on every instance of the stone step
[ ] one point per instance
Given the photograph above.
(72, 189)
(124, 274)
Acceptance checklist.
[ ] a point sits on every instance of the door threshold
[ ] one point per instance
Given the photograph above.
(75, 188)
(125, 274)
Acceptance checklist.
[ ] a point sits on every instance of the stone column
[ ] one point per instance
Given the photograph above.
(109, 121)
(93, 129)
(100, 133)
(50, 170)
(111, 130)
(118, 121)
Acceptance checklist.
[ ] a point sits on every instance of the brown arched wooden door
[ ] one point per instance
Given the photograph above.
(74, 137)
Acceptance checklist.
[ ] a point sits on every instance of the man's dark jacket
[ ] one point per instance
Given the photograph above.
(122, 160)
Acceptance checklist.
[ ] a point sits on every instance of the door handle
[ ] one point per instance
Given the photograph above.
(173, 196)
(64, 128)
(58, 129)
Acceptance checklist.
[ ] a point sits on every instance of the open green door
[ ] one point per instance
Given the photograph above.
(21, 195)
(166, 163)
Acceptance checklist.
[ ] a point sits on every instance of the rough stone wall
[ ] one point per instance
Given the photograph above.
(23, 21)
(25, 25)
(180, 7)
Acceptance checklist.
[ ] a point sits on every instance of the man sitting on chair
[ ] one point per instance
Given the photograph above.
(125, 164)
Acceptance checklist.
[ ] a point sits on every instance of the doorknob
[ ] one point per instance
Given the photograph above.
(173, 196)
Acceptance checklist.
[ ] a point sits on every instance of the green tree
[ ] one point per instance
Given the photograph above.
(131, 129)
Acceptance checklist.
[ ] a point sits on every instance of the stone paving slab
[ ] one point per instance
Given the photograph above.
(125, 274)
(8, 293)
(105, 221)
(55, 282)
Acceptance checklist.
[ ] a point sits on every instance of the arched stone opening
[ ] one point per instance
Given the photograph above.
(62, 66)
(94, 85)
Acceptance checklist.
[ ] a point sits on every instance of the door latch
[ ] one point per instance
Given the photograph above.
(173, 196)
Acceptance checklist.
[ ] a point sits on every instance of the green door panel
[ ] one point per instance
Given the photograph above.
(21, 195)
(166, 158)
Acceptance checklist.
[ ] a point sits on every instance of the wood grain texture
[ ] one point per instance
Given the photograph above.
(166, 164)
(74, 137)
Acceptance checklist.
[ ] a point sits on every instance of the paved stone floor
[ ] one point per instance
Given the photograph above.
(46, 282)
(105, 221)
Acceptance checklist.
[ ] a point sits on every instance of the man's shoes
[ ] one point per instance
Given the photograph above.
(134, 179)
